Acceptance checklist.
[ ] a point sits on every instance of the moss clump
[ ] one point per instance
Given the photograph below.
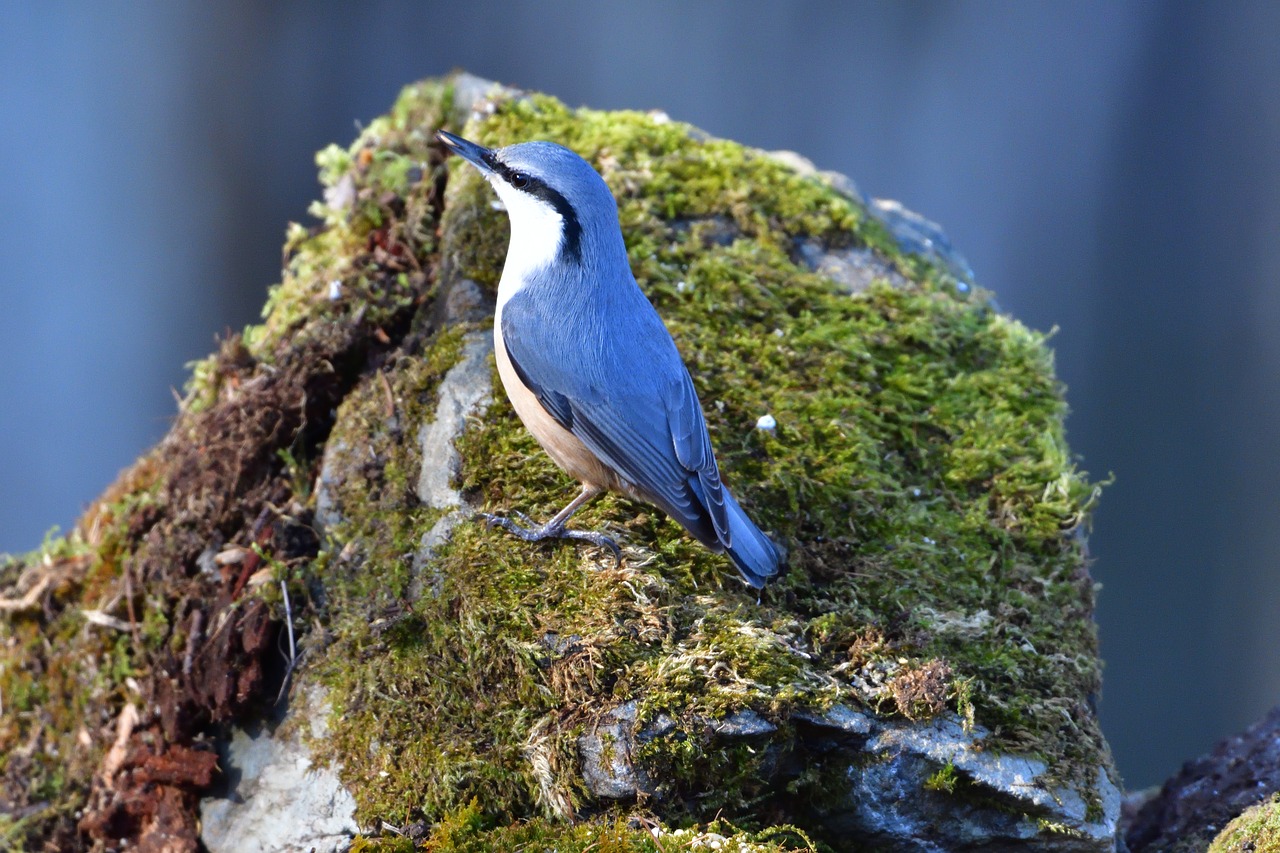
(469, 830)
(62, 678)
(369, 259)
(918, 474)
(1256, 830)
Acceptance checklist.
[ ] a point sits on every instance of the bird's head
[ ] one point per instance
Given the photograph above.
(558, 204)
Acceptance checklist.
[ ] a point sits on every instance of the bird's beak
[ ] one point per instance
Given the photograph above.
(477, 155)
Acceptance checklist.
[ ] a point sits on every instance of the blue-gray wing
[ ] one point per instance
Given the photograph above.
(693, 449)
(635, 410)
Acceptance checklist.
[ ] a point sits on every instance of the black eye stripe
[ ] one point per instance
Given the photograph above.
(520, 180)
(539, 188)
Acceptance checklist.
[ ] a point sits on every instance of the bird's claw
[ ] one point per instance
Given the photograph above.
(597, 539)
(539, 532)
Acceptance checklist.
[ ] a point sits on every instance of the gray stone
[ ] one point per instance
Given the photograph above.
(426, 580)
(276, 798)
(891, 805)
(464, 302)
(801, 164)
(852, 269)
(605, 752)
(471, 93)
(661, 727)
(464, 390)
(889, 809)
(921, 236)
(328, 512)
(838, 718)
(744, 723)
(1004, 801)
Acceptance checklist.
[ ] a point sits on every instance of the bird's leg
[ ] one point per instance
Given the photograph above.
(555, 529)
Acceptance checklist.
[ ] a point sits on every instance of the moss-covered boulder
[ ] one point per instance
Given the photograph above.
(922, 678)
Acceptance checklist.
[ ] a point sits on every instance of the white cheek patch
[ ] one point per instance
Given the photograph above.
(536, 233)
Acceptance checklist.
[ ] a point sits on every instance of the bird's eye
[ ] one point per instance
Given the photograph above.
(520, 180)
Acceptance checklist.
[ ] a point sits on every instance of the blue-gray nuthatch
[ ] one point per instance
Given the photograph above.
(588, 364)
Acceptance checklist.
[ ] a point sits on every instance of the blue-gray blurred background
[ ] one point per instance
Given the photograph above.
(1110, 169)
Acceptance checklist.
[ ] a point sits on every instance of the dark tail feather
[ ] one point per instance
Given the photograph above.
(755, 555)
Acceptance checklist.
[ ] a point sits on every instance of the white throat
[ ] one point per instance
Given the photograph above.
(536, 233)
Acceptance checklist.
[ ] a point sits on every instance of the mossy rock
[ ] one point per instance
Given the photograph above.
(924, 674)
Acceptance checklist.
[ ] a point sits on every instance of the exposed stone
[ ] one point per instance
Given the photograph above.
(328, 512)
(605, 751)
(274, 798)
(465, 389)
(894, 800)
(744, 723)
(471, 93)
(842, 184)
(838, 718)
(426, 581)
(921, 236)
(465, 303)
(911, 753)
(852, 269)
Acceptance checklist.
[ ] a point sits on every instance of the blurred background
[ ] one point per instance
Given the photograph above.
(1109, 169)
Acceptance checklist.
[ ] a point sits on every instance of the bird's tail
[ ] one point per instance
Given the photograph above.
(755, 555)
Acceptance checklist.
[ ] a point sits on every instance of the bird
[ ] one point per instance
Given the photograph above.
(588, 364)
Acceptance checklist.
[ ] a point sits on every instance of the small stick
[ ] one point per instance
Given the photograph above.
(30, 599)
(288, 627)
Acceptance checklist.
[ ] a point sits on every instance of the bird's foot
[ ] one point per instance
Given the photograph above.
(551, 530)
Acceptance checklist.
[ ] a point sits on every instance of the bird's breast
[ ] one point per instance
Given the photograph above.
(564, 447)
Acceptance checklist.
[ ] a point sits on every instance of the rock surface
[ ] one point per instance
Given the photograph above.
(274, 798)
(895, 801)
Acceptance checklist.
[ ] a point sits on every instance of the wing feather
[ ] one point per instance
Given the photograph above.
(647, 428)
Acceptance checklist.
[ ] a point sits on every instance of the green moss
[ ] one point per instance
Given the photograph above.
(919, 475)
(378, 217)
(945, 780)
(469, 830)
(1256, 830)
(62, 679)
